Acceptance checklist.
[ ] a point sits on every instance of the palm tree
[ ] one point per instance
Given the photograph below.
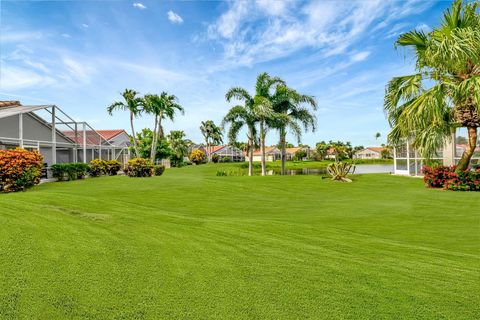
(239, 117)
(134, 105)
(212, 134)
(444, 94)
(288, 103)
(163, 106)
(377, 135)
(178, 144)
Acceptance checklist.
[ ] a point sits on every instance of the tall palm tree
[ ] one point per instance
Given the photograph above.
(212, 134)
(163, 106)
(444, 94)
(134, 105)
(239, 117)
(289, 104)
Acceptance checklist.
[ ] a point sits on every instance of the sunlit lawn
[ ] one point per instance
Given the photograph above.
(191, 245)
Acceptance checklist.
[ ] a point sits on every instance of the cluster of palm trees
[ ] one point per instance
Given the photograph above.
(273, 106)
(161, 107)
(212, 135)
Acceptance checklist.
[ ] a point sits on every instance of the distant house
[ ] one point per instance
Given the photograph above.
(369, 153)
(233, 153)
(290, 152)
(271, 154)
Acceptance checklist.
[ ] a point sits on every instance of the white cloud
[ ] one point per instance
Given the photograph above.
(253, 32)
(423, 27)
(139, 5)
(174, 18)
(15, 78)
(77, 71)
(7, 36)
(85, 25)
(66, 35)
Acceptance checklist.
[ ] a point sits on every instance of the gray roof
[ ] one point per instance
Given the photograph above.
(6, 112)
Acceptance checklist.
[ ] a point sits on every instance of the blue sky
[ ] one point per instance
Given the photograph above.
(80, 55)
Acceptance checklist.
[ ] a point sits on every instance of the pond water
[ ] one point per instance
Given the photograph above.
(360, 169)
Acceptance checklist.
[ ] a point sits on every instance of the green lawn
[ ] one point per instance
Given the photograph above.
(190, 245)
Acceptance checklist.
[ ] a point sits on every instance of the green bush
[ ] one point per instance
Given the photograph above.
(226, 159)
(215, 158)
(159, 169)
(69, 171)
(98, 167)
(139, 167)
(112, 167)
(19, 169)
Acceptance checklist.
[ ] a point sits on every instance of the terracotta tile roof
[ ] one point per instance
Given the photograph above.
(214, 149)
(6, 104)
(292, 150)
(93, 137)
(376, 149)
(267, 151)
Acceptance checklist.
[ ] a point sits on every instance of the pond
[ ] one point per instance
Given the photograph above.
(360, 169)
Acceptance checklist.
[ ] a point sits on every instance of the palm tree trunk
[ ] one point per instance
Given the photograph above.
(262, 147)
(250, 153)
(154, 141)
(283, 143)
(135, 146)
(470, 150)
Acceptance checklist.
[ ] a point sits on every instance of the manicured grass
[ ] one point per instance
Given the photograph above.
(190, 245)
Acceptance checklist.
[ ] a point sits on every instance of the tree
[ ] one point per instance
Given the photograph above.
(242, 116)
(163, 106)
(179, 146)
(212, 135)
(134, 105)
(145, 138)
(290, 105)
(321, 149)
(444, 94)
(377, 135)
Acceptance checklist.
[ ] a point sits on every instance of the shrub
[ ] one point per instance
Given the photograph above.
(159, 169)
(197, 156)
(112, 167)
(300, 154)
(221, 173)
(464, 181)
(226, 159)
(69, 171)
(139, 167)
(340, 170)
(451, 179)
(19, 169)
(98, 167)
(438, 176)
(215, 158)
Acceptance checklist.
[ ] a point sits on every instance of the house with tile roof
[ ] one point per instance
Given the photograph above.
(271, 154)
(369, 153)
(59, 138)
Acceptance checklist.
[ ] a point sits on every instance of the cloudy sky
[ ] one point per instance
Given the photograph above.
(80, 55)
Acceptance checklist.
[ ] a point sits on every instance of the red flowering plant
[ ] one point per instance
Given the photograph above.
(464, 181)
(19, 169)
(436, 177)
